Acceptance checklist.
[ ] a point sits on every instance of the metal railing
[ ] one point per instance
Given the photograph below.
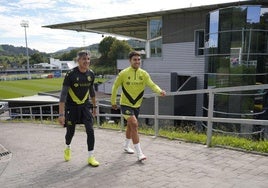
(38, 111)
(42, 112)
(209, 119)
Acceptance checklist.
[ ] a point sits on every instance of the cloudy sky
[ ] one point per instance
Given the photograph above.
(46, 12)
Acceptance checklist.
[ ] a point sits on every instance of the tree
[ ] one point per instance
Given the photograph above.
(119, 50)
(105, 45)
(20, 60)
(112, 49)
(68, 56)
(36, 58)
(104, 49)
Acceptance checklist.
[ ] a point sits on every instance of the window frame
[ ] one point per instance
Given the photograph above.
(197, 34)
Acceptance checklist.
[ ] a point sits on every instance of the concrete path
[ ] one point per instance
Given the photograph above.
(36, 160)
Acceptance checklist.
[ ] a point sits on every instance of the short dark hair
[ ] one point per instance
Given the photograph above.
(133, 53)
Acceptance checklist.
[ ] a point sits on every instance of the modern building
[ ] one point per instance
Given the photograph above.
(217, 45)
(45, 66)
(62, 65)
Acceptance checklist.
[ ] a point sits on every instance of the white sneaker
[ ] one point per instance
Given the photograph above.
(141, 157)
(128, 150)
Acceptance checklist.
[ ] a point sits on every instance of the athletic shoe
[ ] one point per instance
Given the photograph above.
(67, 154)
(92, 161)
(128, 150)
(141, 157)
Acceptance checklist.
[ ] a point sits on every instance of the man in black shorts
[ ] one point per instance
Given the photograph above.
(75, 106)
(133, 80)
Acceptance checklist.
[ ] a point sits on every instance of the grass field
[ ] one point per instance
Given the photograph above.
(19, 88)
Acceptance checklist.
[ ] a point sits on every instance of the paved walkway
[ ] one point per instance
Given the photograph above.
(36, 160)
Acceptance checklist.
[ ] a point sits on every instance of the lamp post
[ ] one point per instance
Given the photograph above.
(25, 23)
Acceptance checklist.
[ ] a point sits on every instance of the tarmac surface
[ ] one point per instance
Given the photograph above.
(31, 155)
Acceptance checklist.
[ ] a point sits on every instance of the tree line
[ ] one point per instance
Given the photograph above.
(103, 55)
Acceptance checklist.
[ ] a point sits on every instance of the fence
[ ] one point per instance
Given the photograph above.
(41, 112)
(209, 118)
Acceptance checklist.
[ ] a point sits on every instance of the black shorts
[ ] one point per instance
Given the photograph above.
(79, 114)
(128, 111)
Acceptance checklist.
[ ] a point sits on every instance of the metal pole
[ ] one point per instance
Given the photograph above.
(26, 24)
(27, 54)
(98, 117)
(249, 43)
(122, 123)
(210, 116)
(156, 112)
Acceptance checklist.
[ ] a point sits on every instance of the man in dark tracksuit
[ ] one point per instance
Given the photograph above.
(75, 106)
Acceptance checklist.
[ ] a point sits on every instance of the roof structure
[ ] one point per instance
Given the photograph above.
(40, 98)
(135, 26)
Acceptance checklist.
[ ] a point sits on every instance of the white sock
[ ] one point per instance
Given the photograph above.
(127, 142)
(138, 148)
(68, 146)
(90, 153)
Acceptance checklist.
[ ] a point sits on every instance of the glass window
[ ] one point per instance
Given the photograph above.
(236, 53)
(155, 28)
(155, 37)
(213, 29)
(232, 18)
(264, 19)
(253, 14)
(156, 48)
(199, 42)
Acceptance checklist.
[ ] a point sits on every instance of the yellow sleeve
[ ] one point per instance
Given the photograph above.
(117, 83)
(152, 85)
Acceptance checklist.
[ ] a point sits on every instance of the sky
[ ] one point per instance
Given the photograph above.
(39, 13)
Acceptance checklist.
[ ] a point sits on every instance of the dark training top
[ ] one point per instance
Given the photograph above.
(77, 87)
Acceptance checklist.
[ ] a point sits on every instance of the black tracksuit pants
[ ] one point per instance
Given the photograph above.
(79, 114)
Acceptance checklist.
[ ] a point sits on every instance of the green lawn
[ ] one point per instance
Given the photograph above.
(19, 88)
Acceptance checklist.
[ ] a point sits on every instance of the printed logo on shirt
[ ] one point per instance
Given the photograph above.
(89, 78)
(127, 112)
(76, 85)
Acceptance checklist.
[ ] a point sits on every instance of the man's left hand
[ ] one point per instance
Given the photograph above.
(163, 93)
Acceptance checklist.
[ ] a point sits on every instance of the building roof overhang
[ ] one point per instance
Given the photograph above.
(135, 26)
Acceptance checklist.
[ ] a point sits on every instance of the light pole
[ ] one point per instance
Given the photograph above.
(25, 23)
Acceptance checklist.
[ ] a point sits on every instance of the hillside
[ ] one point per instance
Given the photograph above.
(10, 50)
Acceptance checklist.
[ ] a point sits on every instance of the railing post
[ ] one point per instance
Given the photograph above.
(156, 113)
(210, 116)
(41, 114)
(98, 113)
(21, 118)
(31, 113)
(51, 114)
(122, 123)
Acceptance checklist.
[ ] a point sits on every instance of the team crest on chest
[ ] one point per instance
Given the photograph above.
(127, 112)
(89, 78)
